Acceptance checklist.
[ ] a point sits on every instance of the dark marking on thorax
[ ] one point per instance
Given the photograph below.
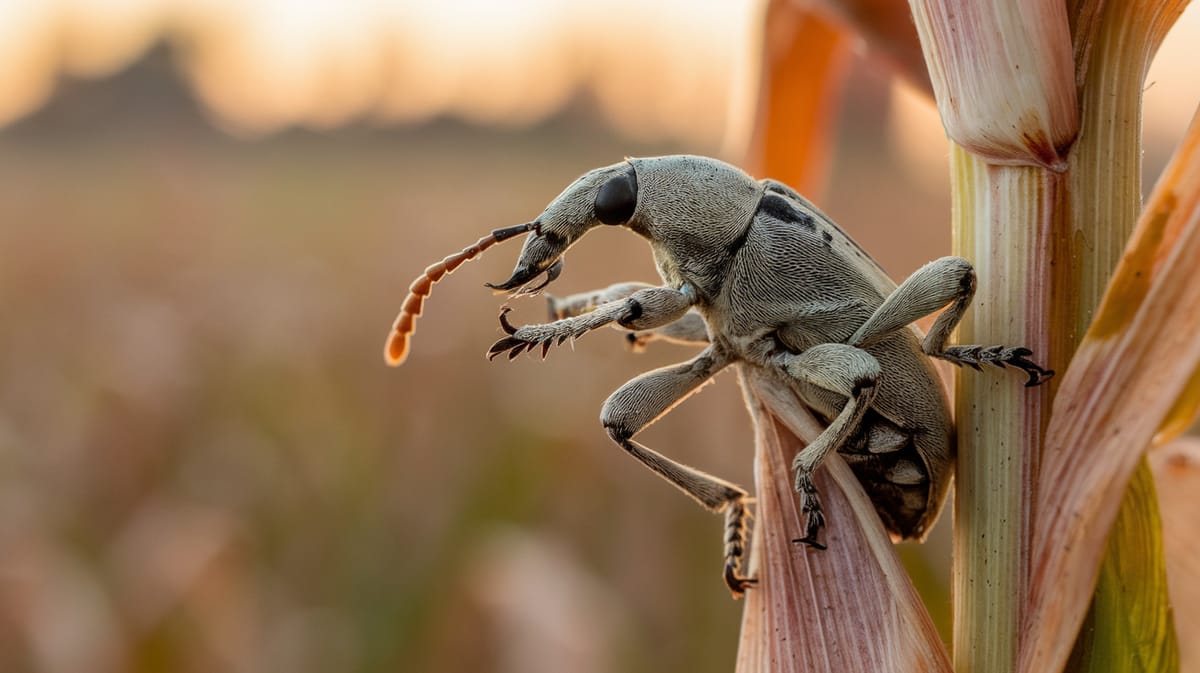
(778, 207)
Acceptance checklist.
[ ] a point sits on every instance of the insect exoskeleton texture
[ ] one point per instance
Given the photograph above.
(755, 276)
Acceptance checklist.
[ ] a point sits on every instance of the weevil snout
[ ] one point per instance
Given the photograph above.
(542, 254)
(524, 274)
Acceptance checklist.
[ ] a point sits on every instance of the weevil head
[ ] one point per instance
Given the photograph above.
(604, 196)
(690, 208)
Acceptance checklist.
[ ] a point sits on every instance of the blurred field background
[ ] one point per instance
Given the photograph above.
(209, 215)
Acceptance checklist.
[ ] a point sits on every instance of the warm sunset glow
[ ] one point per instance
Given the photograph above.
(667, 69)
(915, 133)
(671, 69)
(99, 37)
(264, 65)
(493, 63)
(1172, 87)
(27, 57)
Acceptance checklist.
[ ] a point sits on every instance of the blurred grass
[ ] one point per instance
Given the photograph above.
(205, 466)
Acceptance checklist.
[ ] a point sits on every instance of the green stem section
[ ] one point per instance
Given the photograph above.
(1001, 215)
(1045, 246)
(1105, 173)
(1130, 612)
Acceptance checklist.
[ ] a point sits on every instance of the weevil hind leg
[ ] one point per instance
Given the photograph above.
(846, 371)
(643, 400)
(949, 280)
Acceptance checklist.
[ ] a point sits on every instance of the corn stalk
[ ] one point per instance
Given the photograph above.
(1041, 101)
(1046, 191)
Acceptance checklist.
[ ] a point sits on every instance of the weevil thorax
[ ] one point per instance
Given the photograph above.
(696, 213)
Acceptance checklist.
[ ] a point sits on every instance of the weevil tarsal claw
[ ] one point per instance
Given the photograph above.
(504, 323)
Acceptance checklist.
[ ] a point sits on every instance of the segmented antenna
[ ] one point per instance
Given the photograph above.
(396, 349)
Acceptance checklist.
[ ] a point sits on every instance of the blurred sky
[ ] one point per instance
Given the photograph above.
(259, 66)
(262, 66)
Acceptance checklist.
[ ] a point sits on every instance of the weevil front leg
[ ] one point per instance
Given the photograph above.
(585, 302)
(644, 400)
(644, 309)
(846, 371)
(949, 280)
(689, 330)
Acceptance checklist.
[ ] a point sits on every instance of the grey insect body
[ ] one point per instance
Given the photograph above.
(760, 278)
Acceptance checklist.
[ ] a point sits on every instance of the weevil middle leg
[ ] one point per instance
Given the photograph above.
(644, 400)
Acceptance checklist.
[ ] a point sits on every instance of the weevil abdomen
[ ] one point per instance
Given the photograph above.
(886, 461)
(799, 281)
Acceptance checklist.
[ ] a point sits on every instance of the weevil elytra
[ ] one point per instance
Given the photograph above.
(759, 278)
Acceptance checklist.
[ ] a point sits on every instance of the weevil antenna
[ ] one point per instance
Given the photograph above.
(395, 351)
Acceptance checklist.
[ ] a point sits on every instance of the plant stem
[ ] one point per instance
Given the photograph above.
(1105, 198)
(1002, 215)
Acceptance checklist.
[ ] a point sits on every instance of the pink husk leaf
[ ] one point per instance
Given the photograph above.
(1131, 367)
(849, 608)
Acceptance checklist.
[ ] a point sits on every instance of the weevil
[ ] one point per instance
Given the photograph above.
(760, 278)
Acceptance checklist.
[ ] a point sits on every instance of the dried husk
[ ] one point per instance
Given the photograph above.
(1004, 78)
(851, 608)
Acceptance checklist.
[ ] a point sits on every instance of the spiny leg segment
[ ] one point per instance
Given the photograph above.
(690, 329)
(645, 309)
(646, 398)
(844, 370)
(949, 280)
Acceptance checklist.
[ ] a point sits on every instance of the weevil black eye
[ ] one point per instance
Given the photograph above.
(617, 198)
